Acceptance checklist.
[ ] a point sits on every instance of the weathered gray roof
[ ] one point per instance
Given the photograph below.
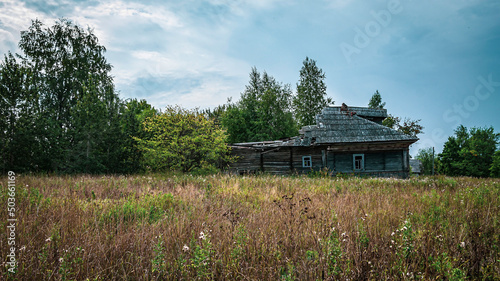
(337, 126)
(362, 111)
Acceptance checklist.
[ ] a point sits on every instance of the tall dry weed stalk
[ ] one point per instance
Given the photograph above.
(222, 227)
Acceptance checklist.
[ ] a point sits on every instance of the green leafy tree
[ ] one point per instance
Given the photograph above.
(391, 122)
(311, 93)
(262, 113)
(79, 109)
(410, 127)
(19, 109)
(134, 114)
(478, 151)
(216, 114)
(183, 140)
(495, 166)
(450, 160)
(469, 152)
(96, 134)
(376, 101)
(406, 126)
(426, 156)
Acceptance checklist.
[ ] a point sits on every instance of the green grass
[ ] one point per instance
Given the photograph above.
(222, 227)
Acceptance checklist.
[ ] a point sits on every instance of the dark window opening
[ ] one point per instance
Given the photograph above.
(359, 162)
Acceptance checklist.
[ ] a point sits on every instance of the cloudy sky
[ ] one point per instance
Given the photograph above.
(438, 61)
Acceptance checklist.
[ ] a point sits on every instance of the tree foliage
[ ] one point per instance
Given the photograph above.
(469, 152)
(183, 140)
(405, 126)
(426, 156)
(495, 166)
(134, 114)
(376, 101)
(263, 112)
(410, 127)
(311, 93)
(62, 93)
(19, 109)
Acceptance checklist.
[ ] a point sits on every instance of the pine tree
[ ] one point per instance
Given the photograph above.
(376, 101)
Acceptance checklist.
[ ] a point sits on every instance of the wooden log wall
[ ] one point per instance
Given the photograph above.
(286, 160)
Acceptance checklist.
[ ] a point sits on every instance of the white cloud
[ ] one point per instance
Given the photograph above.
(209, 94)
(14, 17)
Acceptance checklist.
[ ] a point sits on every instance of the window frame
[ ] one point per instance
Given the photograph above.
(362, 168)
(305, 160)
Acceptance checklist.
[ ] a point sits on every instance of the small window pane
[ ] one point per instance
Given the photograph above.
(306, 161)
(358, 160)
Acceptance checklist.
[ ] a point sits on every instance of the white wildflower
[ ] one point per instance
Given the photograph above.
(185, 248)
(462, 244)
(202, 235)
(61, 260)
(48, 239)
(392, 234)
(22, 248)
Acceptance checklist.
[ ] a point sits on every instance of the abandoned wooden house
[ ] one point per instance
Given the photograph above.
(349, 140)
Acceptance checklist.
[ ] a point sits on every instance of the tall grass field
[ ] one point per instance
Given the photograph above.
(224, 227)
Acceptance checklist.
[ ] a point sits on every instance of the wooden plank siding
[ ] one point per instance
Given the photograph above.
(387, 160)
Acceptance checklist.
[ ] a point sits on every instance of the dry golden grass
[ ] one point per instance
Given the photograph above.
(254, 228)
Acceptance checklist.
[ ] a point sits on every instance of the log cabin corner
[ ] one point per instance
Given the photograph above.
(348, 140)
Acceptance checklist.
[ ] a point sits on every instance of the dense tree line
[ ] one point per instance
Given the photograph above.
(62, 113)
(469, 152)
(60, 98)
(268, 109)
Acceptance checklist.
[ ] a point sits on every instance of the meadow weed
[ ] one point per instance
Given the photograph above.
(255, 227)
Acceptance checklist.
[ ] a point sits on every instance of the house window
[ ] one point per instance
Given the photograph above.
(306, 161)
(359, 162)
